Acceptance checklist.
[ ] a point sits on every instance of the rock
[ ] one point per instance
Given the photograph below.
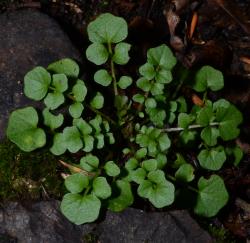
(28, 38)
(42, 222)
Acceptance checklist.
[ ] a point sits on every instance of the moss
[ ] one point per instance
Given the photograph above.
(28, 175)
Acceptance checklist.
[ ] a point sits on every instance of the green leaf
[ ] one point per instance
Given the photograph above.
(147, 70)
(36, 83)
(229, 119)
(88, 143)
(145, 189)
(161, 56)
(59, 145)
(131, 164)
(161, 160)
(23, 131)
(182, 104)
(210, 135)
(80, 209)
(111, 169)
(212, 196)
(98, 101)
(54, 100)
(103, 78)
(121, 55)
(164, 142)
(163, 76)
(236, 152)
(67, 66)
(141, 153)
(184, 120)
(138, 175)
(79, 91)
(212, 159)
(107, 28)
(188, 136)
(205, 116)
(124, 82)
(149, 165)
(150, 103)
(101, 188)
(139, 98)
(157, 89)
(208, 77)
(73, 139)
(124, 197)
(75, 110)
(89, 162)
(179, 161)
(97, 53)
(157, 116)
(60, 82)
(51, 120)
(83, 126)
(185, 173)
(76, 183)
(143, 84)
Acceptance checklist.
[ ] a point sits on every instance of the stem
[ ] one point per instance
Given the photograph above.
(178, 129)
(112, 66)
(101, 114)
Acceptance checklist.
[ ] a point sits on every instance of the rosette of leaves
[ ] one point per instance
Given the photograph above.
(107, 33)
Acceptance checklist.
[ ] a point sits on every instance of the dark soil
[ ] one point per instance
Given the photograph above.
(221, 38)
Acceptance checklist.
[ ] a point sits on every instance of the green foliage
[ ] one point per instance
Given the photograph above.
(124, 138)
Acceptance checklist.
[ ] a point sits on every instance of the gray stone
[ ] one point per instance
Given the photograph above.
(42, 222)
(28, 38)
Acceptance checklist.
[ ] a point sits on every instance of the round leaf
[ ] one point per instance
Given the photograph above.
(103, 78)
(111, 168)
(107, 28)
(73, 139)
(121, 56)
(210, 135)
(60, 82)
(36, 83)
(51, 120)
(212, 159)
(67, 66)
(161, 56)
(125, 196)
(23, 131)
(212, 196)
(185, 173)
(143, 84)
(54, 100)
(97, 53)
(98, 101)
(79, 91)
(150, 164)
(59, 145)
(163, 76)
(147, 70)
(89, 162)
(80, 209)
(76, 183)
(208, 77)
(101, 188)
(75, 110)
(124, 82)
